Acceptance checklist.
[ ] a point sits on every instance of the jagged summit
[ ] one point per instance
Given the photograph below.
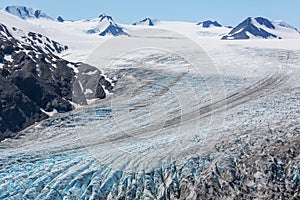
(263, 21)
(146, 22)
(209, 23)
(24, 12)
(107, 26)
(103, 17)
(260, 27)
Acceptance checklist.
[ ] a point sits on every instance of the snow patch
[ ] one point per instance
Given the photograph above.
(90, 72)
(73, 67)
(8, 58)
(91, 101)
(88, 91)
(50, 114)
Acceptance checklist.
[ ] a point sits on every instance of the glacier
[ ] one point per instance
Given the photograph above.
(156, 143)
(190, 117)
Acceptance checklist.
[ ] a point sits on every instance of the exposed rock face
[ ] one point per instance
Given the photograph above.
(90, 84)
(44, 43)
(33, 77)
(209, 23)
(60, 19)
(260, 27)
(25, 12)
(146, 22)
(17, 111)
(248, 26)
(107, 26)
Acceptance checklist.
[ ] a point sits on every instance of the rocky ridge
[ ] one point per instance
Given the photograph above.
(36, 81)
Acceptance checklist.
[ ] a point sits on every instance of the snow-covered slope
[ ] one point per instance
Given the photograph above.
(107, 26)
(147, 22)
(284, 24)
(72, 34)
(25, 12)
(35, 80)
(33, 35)
(209, 23)
(260, 27)
(191, 117)
(150, 139)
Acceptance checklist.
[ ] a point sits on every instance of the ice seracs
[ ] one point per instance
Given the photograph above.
(260, 27)
(107, 26)
(146, 22)
(25, 12)
(183, 122)
(209, 23)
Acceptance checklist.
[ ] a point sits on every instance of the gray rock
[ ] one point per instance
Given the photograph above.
(41, 80)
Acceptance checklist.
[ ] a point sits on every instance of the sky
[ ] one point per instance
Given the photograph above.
(227, 12)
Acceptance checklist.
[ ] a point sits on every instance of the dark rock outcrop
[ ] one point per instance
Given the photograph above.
(146, 22)
(25, 12)
(17, 111)
(248, 26)
(107, 26)
(35, 80)
(60, 19)
(209, 23)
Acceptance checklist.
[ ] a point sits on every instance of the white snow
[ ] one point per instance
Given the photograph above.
(90, 72)
(174, 100)
(25, 12)
(73, 67)
(285, 32)
(102, 25)
(91, 101)
(88, 91)
(284, 24)
(71, 33)
(81, 86)
(50, 114)
(8, 58)
(146, 22)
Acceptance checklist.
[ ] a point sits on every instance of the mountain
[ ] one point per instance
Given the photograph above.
(36, 81)
(209, 23)
(146, 22)
(107, 26)
(60, 19)
(260, 27)
(25, 12)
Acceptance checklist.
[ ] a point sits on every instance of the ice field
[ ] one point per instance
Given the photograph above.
(191, 117)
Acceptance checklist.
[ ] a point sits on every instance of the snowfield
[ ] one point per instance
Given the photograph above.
(190, 117)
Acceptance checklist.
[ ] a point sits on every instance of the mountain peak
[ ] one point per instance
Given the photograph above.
(60, 19)
(24, 12)
(146, 22)
(105, 17)
(209, 23)
(107, 26)
(260, 27)
(265, 22)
